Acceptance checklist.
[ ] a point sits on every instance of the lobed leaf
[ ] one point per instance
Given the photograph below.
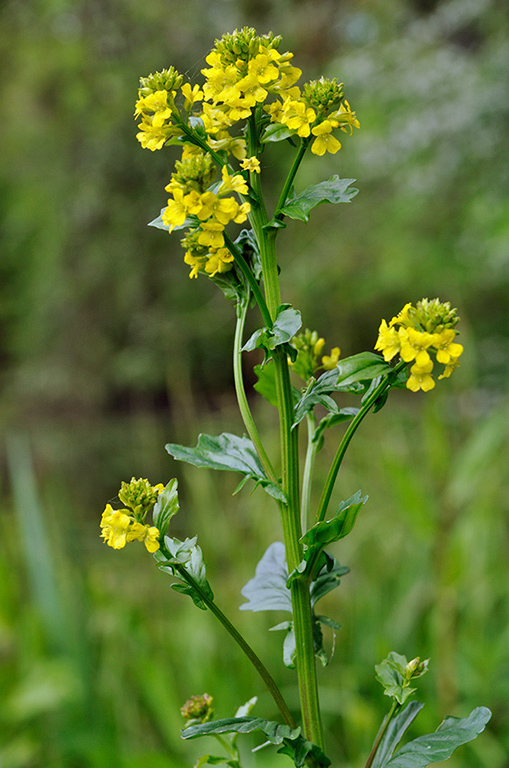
(227, 452)
(267, 590)
(334, 190)
(274, 732)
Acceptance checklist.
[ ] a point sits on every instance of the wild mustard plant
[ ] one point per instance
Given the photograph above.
(248, 101)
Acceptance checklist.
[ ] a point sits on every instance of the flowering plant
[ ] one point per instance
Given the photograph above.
(250, 99)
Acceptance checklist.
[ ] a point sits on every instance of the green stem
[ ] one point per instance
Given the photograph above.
(290, 178)
(290, 512)
(352, 428)
(241, 642)
(241, 393)
(381, 733)
(251, 280)
(308, 471)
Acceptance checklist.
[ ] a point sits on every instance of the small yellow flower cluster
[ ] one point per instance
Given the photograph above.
(414, 333)
(156, 106)
(316, 111)
(123, 525)
(211, 212)
(309, 348)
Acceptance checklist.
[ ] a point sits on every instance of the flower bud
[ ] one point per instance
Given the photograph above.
(198, 708)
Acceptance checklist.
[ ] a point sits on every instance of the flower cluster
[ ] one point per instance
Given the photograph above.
(309, 348)
(123, 525)
(207, 213)
(418, 332)
(316, 111)
(247, 79)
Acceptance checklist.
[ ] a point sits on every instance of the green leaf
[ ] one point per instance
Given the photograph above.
(394, 733)
(344, 414)
(289, 655)
(299, 750)
(328, 579)
(267, 590)
(227, 452)
(335, 190)
(285, 326)
(339, 526)
(273, 731)
(395, 674)
(266, 384)
(293, 744)
(277, 132)
(188, 555)
(350, 375)
(166, 506)
(248, 244)
(438, 746)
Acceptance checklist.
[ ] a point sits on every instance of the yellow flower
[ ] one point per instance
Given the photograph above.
(251, 164)
(345, 118)
(298, 118)
(175, 213)
(114, 525)
(148, 534)
(330, 361)
(263, 69)
(157, 103)
(446, 349)
(191, 94)
(223, 209)
(388, 341)
(414, 345)
(219, 261)
(196, 262)
(211, 234)
(325, 141)
(151, 136)
(450, 367)
(235, 183)
(420, 377)
(403, 317)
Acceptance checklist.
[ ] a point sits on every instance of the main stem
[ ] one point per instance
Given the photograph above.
(290, 511)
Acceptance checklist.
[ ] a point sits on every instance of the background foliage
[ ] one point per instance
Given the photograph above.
(108, 351)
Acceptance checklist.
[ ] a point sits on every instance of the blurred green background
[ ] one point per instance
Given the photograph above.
(108, 351)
